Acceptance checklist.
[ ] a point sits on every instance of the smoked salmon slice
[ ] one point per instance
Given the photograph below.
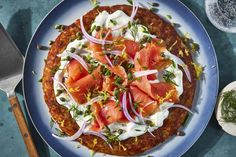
(76, 70)
(120, 71)
(151, 57)
(112, 112)
(141, 99)
(106, 114)
(131, 47)
(98, 121)
(97, 48)
(108, 85)
(80, 88)
(166, 92)
(161, 91)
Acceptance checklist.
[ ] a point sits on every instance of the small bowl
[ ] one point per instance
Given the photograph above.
(228, 127)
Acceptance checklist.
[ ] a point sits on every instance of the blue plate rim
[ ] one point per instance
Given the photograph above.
(58, 151)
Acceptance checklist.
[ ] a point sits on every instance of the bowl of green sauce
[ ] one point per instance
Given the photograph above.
(226, 109)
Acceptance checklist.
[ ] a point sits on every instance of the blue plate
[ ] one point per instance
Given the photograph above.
(70, 10)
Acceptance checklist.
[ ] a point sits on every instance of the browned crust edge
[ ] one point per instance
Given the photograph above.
(144, 142)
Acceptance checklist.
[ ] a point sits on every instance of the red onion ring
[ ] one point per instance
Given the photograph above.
(177, 106)
(147, 104)
(150, 133)
(76, 57)
(61, 84)
(134, 111)
(179, 62)
(144, 73)
(125, 110)
(89, 37)
(93, 100)
(73, 137)
(153, 81)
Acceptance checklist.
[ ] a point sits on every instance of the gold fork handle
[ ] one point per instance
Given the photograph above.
(23, 127)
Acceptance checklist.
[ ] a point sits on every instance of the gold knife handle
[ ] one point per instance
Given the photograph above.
(23, 127)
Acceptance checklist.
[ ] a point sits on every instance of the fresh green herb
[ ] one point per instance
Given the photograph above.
(42, 47)
(76, 112)
(136, 104)
(130, 65)
(93, 63)
(153, 9)
(50, 42)
(68, 58)
(173, 64)
(103, 35)
(118, 79)
(72, 49)
(150, 123)
(159, 42)
(129, 24)
(83, 46)
(59, 91)
(190, 44)
(176, 25)
(60, 28)
(130, 76)
(93, 28)
(40, 80)
(79, 35)
(51, 123)
(228, 106)
(130, 2)
(169, 17)
(62, 99)
(113, 22)
(146, 39)
(105, 71)
(87, 111)
(105, 96)
(54, 69)
(33, 72)
(92, 152)
(59, 132)
(98, 28)
(138, 130)
(88, 57)
(180, 133)
(153, 6)
(145, 30)
(134, 30)
(195, 47)
(95, 3)
(112, 136)
(116, 93)
(169, 76)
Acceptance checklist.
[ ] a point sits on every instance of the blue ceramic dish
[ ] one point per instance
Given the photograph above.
(70, 10)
